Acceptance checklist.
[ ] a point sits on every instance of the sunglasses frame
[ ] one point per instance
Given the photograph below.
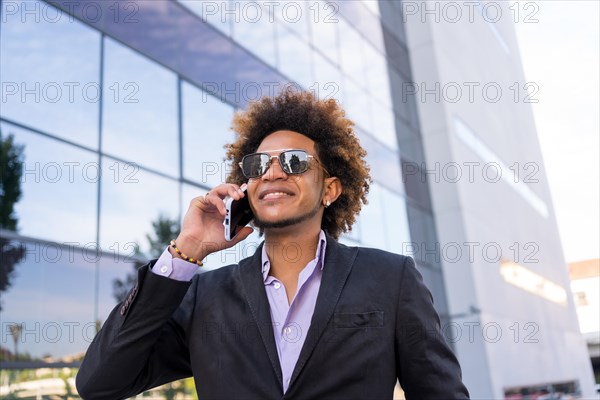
(308, 156)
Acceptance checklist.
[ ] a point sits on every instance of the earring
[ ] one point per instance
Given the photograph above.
(327, 203)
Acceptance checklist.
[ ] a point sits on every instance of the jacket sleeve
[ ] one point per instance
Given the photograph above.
(143, 342)
(427, 367)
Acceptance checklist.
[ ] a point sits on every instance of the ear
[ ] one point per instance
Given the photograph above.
(332, 190)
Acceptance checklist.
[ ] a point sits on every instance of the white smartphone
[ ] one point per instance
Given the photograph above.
(238, 215)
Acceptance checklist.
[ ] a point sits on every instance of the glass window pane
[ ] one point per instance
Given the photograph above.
(294, 15)
(410, 143)
(206, 129)
(396, 221)
(59, 188)
(422, 228)
(140, 110)
(328, 79)
(383, 125)
(131, 200)
(50, 71)
(356, 102)
(351, 44)
(294, 58)
(212, 12)
(324, 29)
(372, 219)
(254, 30)
(384, 162)
(372, 5)
(377, 75)
(51, 295)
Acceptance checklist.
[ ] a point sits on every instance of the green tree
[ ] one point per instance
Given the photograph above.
(165, 229)
(11, 170)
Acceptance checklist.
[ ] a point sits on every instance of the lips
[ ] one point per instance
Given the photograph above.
(274, 193)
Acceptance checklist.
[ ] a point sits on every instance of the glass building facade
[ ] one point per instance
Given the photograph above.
(122, 110)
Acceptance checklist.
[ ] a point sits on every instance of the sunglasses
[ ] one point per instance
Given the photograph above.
(292, 162)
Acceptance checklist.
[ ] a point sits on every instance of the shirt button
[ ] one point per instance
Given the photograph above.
(288, 330)
(277, 285)
(264, 268)
(164, 269)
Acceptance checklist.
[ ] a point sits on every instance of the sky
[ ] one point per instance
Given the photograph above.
(560, 53)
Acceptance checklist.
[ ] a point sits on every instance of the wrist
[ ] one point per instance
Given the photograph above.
(188, 248)
(174, 253)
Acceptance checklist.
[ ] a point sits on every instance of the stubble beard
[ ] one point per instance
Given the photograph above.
(284, 223)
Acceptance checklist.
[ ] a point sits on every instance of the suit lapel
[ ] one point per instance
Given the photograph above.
(256, 296)
(338, 264)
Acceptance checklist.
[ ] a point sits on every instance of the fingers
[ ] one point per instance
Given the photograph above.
(199, 201)
(214, 198)
(215, 201)
(232, 190)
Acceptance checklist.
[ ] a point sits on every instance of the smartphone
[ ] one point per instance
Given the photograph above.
(238, 215)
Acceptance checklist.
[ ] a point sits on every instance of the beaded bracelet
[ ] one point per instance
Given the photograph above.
(186, 258)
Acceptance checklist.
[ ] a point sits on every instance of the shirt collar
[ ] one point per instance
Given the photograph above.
(319, 256)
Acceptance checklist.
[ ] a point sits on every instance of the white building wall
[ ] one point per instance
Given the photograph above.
(474, 112)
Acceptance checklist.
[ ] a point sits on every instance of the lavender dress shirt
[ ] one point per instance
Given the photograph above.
(290, 321)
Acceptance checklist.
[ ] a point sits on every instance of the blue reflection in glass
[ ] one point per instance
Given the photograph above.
(212, 12)
(132, 199)
(372, 219)
(397, 231)
(294, 15)
(50, 72)
(206, 121)
(352, 57)
(327, 78)
(140, 110)
(294, 58)
(324, 29)
(255, 30)
(59, 186)
(52, 295)
(384, 162)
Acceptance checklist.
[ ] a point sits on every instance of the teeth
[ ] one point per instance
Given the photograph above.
(275, 194)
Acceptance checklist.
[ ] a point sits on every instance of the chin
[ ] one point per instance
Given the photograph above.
(292, 216)
(275, 222)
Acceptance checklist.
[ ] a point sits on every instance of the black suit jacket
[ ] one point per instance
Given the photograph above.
(373, 322)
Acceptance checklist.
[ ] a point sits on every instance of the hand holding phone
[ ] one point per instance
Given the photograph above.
(202, 228)
(239, 214)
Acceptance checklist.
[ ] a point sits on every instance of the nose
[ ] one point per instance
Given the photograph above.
(274, 171)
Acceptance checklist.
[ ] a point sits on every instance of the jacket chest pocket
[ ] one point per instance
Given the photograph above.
(371, 319)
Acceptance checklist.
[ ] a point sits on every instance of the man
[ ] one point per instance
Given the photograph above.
(305, 317)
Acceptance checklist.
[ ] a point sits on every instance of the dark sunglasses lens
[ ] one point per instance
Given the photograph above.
(294, 161)
(255, 165)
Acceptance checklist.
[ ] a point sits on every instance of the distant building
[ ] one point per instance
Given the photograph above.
(585, 285)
